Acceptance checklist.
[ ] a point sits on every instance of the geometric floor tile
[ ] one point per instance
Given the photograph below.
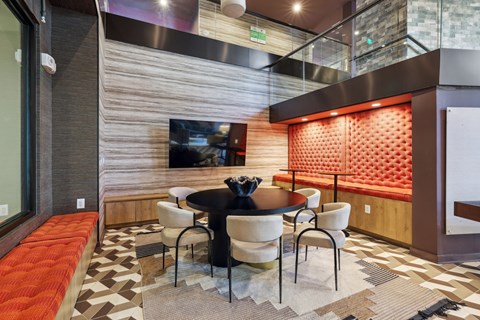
(111, 289)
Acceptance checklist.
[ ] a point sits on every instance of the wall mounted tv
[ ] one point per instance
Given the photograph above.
(207, 144)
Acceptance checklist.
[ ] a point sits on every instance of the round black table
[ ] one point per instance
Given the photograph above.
(219, 203)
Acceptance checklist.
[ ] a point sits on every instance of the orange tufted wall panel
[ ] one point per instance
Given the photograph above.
(318, 146)
(35, 276)
(376, 145)
(379, 147)
(65, 226)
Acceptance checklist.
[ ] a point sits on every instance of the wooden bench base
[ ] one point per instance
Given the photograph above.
(70, 299)
(388, 219)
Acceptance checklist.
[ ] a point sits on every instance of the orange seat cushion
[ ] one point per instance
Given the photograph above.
(305, 181)
(359, 188)
(34, 278)
(65, 226)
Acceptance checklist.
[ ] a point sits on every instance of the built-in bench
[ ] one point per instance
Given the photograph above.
(390, 214)
(42, 277)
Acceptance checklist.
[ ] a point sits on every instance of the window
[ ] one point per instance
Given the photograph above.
(16, 125)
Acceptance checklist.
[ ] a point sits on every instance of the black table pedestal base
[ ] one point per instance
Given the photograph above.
(218, 223)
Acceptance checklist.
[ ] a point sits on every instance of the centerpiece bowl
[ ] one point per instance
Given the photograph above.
(243, 186)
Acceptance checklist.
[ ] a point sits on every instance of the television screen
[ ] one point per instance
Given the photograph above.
(206, 144)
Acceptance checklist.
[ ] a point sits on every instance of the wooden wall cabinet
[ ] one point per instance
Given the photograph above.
(132, 210)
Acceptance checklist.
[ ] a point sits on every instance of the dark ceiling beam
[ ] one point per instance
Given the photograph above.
(441, 67)
(82, 6)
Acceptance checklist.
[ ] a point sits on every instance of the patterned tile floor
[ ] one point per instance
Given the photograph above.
(111, 289)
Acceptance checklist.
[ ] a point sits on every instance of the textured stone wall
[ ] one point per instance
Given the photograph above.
(381, 24)
(461, 24)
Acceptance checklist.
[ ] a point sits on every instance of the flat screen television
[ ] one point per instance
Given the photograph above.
(206, 144)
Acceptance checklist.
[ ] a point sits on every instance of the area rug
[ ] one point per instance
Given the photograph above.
(365, 290)
(148, 244)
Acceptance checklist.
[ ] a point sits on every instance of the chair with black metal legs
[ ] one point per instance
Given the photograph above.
(325, 231)
(180, 230)
(305, 214)
(255, 239)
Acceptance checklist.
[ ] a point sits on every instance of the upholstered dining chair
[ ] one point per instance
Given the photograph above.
(255, 239)
(305, 214)
(324, 231)
(179, 194)
(180, 230)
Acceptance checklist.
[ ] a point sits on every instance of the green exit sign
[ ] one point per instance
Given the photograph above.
(258, 35)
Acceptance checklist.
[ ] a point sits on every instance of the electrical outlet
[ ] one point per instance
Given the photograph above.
(80, 203)
(367, 209)
(4, 210)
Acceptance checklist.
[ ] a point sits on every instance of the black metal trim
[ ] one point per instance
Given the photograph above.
(28, 105)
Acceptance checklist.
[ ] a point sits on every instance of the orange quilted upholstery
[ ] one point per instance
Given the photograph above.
(376, 145)
(35, 276)
(65, 226)
(317, 146)
(380, 147)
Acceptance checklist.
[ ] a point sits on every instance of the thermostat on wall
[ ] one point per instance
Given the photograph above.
(48, 63)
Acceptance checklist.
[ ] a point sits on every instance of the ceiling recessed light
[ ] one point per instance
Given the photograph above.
(297, 7)
(334, 113)
(163, 3)
(377, 104)
(304, 119)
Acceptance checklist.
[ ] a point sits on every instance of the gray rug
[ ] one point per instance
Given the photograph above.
(365, 291)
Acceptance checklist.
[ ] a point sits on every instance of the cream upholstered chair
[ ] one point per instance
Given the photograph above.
(179, 194)
(254, 239)
(305, 214)
(325, 231)
(180, 230)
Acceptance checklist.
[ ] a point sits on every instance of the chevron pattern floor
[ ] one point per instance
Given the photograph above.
(112, 287)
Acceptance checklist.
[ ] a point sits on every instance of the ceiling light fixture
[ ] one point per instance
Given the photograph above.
(334, 113)
(297, 7)
(164, 3)
(377, 104)
(357, 33)
(304, 119)
(233, 8)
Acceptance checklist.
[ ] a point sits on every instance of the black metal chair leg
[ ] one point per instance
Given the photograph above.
(210, 257)
(192, 250)
(296, 261)
(280, 269)
(176, 264)
(338, 259)
(229, 264)
(335, 267)
(163, 258)
(306, 252)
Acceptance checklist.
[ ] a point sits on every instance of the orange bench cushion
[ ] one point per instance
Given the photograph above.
(360, 188)
(34, 278)
(65, 226)
(305, 181)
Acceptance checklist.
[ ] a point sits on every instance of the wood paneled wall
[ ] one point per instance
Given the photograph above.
(101, 127)
(281, 39)
(144, 88)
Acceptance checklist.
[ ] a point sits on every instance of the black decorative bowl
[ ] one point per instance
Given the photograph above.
(243, 186)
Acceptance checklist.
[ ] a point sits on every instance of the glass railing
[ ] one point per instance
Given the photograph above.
(382, 33)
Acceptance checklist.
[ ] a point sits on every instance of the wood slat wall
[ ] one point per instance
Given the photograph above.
(144, 88)
(280, 39)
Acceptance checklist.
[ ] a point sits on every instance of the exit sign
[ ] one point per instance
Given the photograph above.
(258, 35)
